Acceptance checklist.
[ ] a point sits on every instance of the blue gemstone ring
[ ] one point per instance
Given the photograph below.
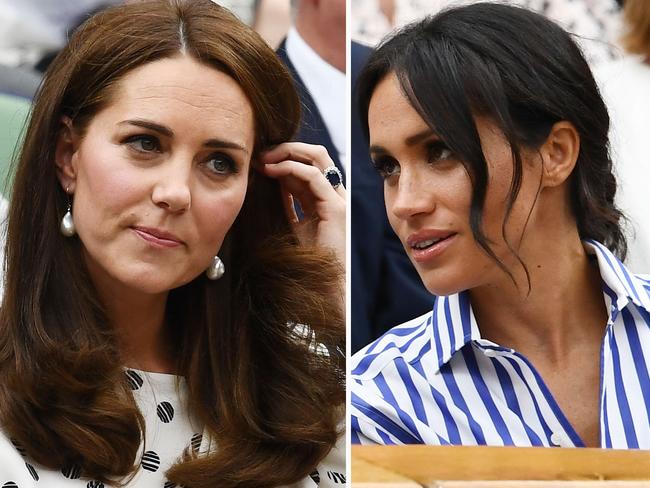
(334, 176)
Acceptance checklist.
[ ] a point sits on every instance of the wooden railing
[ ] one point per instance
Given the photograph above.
(497, 467)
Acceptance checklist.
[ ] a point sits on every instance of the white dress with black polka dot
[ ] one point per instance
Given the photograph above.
(170, 430)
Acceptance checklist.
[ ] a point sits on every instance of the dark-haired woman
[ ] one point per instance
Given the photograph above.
(156, 270)
(489, 131)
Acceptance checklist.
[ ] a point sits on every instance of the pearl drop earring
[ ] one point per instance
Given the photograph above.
(216, 269)
(67, 224)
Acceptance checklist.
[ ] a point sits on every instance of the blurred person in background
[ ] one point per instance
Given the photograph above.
(31, 28)
(314, 51)
(625, 84)
(596, 23)
(270, 18)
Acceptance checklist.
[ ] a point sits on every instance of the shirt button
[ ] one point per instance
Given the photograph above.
(556, 439)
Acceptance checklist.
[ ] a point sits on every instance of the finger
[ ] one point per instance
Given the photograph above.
(311, 154)
(289, 207)
(303, 180)
(340, 189)
(301, 193)
(307, 154)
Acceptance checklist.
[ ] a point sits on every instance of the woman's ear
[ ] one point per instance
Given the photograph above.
(559, 153)
(65, 159)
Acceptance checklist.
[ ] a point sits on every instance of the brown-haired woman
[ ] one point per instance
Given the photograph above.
(122, 361)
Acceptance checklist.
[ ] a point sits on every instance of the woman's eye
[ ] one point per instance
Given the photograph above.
(143, 143)
(438, 151)
(221, 164)
(386, 167)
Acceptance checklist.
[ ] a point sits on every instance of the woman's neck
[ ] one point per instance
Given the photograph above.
(140, 325)
(564, 309)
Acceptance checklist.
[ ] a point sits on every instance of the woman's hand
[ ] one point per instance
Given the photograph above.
(299, 169)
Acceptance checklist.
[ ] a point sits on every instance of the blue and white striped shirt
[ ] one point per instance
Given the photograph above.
(434, 380)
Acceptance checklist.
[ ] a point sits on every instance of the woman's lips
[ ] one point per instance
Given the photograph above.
(433, 251)
(157, 237)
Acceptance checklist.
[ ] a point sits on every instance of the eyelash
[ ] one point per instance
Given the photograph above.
(441, 149)
(231, 169)
(135, 143)
(388, 166)
(133, 140)
(385, 166)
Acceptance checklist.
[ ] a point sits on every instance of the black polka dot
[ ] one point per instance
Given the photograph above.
(337, 478)
(169, 484)
(32, 471)
(315, 476)
(72, 472)
(10, 484)
(95, 484)
(18, 447)
(196, 442)
(134, 379)
(150, 461)
(165, 412)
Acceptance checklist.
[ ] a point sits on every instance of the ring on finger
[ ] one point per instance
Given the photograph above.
(333, 176)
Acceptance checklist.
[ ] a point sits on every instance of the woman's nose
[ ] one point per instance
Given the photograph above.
(172, 189)
(410, 196)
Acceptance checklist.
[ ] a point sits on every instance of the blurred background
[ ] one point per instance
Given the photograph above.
(597, 23)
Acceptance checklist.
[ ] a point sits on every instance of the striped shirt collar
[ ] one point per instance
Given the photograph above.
(454, 324)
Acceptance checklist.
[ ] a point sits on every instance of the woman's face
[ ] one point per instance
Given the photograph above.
(428, 192)
(160, 174)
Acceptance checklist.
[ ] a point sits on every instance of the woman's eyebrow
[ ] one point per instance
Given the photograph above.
(375, 149)
(166, 131)
(419, 137)
(161, 129)
(409, 141)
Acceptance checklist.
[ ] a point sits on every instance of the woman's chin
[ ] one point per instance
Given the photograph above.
(443, 291)
(139, 281)
(441, 283)
(157, 287)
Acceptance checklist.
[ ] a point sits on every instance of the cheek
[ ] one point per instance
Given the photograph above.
(104, 187)
(216, 212)
(396, 223)
(500, 172)
(389, 195)
(496, 204)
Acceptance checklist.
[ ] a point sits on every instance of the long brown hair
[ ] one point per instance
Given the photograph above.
(637, 19)
(268, 400)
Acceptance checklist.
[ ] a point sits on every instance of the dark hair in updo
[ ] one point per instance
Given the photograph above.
(524, 73)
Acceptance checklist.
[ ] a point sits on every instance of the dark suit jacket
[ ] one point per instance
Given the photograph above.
(312, 127)
(386, 289)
